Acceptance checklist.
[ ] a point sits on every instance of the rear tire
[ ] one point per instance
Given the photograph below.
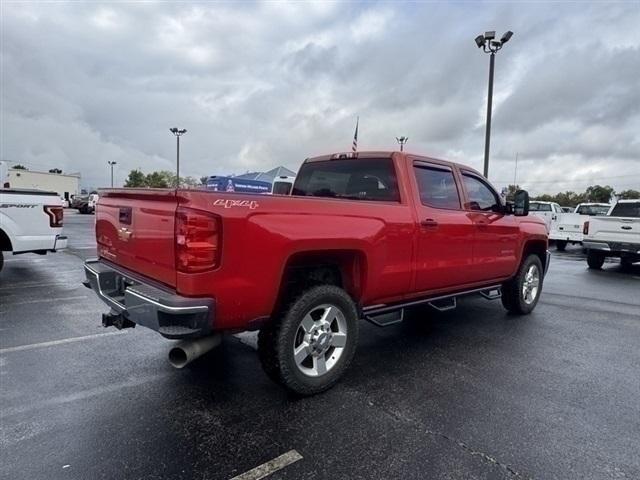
(313, 342)
(595, 259)
(561, 245)
(1, 260)
(520, 295)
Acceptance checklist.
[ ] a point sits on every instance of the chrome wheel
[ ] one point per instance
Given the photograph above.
(320, 340)
(531, 284)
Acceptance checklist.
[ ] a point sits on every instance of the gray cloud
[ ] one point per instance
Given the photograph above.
(263, 84)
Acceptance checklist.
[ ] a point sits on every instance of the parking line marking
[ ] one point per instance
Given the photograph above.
(271, 466)
(52, 343)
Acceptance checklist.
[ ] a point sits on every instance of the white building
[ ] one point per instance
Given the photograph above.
(65, 185)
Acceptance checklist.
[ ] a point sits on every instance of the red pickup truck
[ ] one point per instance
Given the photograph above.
(362, 236)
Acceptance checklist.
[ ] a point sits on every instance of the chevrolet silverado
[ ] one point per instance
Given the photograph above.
(362, 236)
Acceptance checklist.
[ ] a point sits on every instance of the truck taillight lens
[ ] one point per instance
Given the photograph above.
(198, 240)
(55, 213)
(585, 228)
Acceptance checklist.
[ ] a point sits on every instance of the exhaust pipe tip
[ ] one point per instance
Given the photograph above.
(178, 357)
(187, 351)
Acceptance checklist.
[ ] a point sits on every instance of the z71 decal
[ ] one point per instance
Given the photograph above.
(251, 204)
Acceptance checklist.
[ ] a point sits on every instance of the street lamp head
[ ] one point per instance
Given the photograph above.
(496, 44)
(489, 35)
(480, 41)
(183, 131)
(173, 130)
(506, 37)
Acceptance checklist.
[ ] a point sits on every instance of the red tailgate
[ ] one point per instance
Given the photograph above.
(135, 229)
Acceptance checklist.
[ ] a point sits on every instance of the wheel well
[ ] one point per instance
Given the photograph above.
(342, 268)
(5, 243)
(538, 248)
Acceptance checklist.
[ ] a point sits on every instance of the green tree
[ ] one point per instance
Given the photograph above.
(203, 180)
(156, 180)
(19, 167)
(135, 179)
(628, 194)
(597, 193)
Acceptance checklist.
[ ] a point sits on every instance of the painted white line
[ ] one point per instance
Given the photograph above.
(271, 466)
(33, 346)
(45, 300)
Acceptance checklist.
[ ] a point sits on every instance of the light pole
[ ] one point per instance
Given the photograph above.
(402, 141)
(489, 45)
(111, 164)
(178, 133)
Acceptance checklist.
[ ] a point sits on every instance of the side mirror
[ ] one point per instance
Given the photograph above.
(521, 203)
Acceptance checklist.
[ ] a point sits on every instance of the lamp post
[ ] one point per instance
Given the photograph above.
(178, 133)
(490, 45)
(111, 164)
(402, 140)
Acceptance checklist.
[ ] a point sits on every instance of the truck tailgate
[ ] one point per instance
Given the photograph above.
(135, 229)
(615, 229)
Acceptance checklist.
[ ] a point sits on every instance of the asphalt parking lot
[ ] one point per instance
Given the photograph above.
(470, 393)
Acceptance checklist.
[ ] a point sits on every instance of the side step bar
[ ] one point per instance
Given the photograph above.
(385, 315)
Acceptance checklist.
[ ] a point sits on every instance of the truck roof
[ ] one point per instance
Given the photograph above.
(385, 154)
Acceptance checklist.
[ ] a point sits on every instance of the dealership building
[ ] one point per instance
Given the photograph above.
(66, 185)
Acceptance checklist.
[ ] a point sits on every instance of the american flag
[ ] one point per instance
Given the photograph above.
(354, 147)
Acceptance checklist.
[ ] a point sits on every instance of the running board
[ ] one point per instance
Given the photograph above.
(386, 319)
(444, 304)
(440, 302)
(492, 293)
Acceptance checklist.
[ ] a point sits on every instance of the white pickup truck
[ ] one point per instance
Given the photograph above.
(30, 221)
(615, 235)
(567, 227)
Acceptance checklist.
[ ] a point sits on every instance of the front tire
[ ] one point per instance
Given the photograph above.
(520, 295)
(595, 259)
(561, 245)
(308, 349)
(1, 260)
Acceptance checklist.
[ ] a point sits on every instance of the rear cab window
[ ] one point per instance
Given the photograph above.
(372, 179)
(626, 209)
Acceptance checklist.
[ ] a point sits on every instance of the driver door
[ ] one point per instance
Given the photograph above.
(496, 234)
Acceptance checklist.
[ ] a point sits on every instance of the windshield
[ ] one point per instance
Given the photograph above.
(592, 209)
(355, 179)
(631, 209)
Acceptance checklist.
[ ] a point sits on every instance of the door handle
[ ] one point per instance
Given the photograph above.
(429, 223)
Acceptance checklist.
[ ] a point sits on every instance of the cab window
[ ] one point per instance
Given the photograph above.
(481, 196)
(437, 186)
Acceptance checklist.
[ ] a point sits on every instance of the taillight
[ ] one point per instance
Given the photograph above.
(585, 228)
(198, 240)
(55, 213)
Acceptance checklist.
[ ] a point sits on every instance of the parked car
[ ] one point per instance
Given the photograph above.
(363, 236)
(30, 222)
(615, 235)
(85, 204)
(283, 185)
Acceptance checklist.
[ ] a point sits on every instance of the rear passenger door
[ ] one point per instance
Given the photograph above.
(445, 232)
(496, 234)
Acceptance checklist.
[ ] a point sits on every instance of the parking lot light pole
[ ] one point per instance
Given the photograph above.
(402, 140)
(111, 164)
(491, 46)
(178, 133)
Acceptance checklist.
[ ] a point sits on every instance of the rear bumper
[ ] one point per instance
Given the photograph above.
(566, 236)
(612, 247)
(169, 314)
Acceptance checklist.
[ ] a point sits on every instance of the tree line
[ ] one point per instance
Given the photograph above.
(593, 193)
(160, 179)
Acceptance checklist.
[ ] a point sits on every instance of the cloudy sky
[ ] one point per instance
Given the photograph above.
(263, 84)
